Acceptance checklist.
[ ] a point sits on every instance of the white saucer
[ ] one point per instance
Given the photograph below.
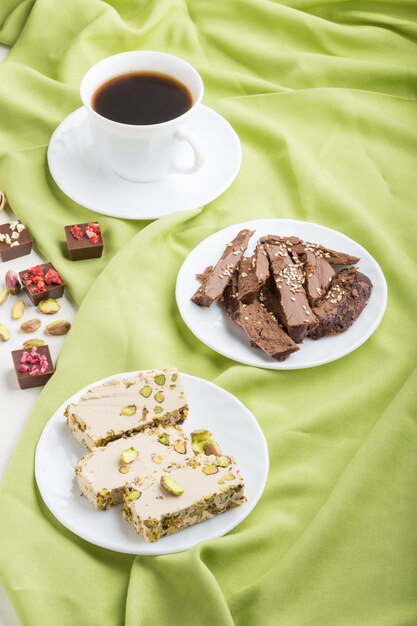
(214, 328)
(79, 173)
(234, 428)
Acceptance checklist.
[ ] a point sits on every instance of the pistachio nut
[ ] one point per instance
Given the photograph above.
(4, 333)
(158, 409)
(223, 461)
(49, 306)
(200, 435)
(211, 447)
(129, 455)
(209, 468)
(170, 486)
(12, 282)
(163, 438)
(18, 310)
(123, 469)
(145, 391)
(159, 397)
(197, 448)
(156, 458)
(60, 327)
(134, 495)
(159, 379)
(29, 326)
(128, 410)
(4, 294)
(33, 343)
(229, 476)
(180, 446)
(103, 499)
(174, 377)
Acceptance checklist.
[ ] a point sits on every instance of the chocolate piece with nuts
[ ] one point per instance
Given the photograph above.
(291, 307)
(15, 241)
(259, 325)
(318, 273)
(247, 281)
(261, 264)
(297, 245)
(341, 306)
(216, 280)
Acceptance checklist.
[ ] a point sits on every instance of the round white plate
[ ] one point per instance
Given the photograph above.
(79, 173)
(233, 427)
(214, 328)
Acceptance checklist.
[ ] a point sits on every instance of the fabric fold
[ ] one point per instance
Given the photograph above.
(323, 97)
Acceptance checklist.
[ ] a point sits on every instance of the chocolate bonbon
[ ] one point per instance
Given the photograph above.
(42, 282)
(15, 241)
(84, 241)
(33, 367)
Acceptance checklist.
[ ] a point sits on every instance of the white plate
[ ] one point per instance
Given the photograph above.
(233, 427)
(79, 173)
(214, 328)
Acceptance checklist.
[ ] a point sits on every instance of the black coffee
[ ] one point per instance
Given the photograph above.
(142, 98)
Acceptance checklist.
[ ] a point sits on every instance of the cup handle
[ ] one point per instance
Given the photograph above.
(182, 135)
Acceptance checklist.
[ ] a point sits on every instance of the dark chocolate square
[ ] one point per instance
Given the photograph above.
(25, 380)
(82, 249)
(52, 291)
(8, 253)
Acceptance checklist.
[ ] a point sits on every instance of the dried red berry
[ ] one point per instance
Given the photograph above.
(95, 227)
(93, 232)
(37, 281)
(38, 363)
(76, 232)
(53, 278)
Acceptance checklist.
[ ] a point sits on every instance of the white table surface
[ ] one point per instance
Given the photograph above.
(17, 404)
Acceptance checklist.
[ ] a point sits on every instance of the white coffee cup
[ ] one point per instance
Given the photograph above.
(142, 153)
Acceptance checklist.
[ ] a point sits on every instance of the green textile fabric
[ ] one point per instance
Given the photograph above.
(323, 97)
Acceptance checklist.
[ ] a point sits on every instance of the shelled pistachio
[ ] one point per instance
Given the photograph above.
(4, 333)
(29, 326)
(60, 327)
(49, 306)
(18, 310)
